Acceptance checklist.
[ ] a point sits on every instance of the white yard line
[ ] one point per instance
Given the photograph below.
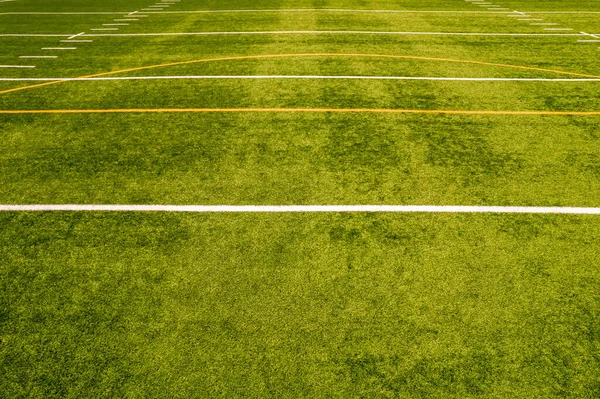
(76, 41)
(38, 56)
(60, 13)
(77, 35)
(308, 77)
(303, 209)
(59, 48)
(32, 35)
(306, 10)
(17, 66)
(333, 32)
(308, 32)
(332, 10)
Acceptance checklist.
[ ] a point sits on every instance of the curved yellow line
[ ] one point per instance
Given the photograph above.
(267, 56)
(300, 110)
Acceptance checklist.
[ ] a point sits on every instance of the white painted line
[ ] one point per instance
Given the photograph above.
(125, 19)
(132, 13)
(59, 48)
(307, 10)
(17, 66)
(591, 35)
(332, 10)
(76, 41)
(115, 24)
(77, 35)
(105, 29)
(588, 41)
(38, 56)
(60, 13)
(307, 77)
(530, 19)
(557, 29)
(304, 209)
(31, 35)
(543, 24)
(334, 32)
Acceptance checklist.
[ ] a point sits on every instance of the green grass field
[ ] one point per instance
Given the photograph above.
(299, 305)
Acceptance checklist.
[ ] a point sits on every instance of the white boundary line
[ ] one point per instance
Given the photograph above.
(340, 10)
(250, 77)
(302, 209)
(291, 32)
(289, 10)
(17, 66)
(330, 32)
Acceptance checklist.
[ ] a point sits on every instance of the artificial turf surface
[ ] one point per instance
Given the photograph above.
(300, 305)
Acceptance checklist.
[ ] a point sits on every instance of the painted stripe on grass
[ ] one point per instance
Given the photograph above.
(274, 56)
(291, 32)
(299, 77)
(17, 66)
(332, 10)
(302, 209)
(331, 32)
(39, 56)
(298, 110)
(299, 10)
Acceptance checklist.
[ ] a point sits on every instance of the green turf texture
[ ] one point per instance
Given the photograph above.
(125, 305)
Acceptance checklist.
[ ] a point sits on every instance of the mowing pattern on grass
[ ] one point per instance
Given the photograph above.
(322, 304)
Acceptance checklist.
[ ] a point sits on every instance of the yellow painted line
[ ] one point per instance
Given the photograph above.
(300, 110)
(343, 55)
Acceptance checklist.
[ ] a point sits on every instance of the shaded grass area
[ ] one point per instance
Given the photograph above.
(299, 306)
(300, 159)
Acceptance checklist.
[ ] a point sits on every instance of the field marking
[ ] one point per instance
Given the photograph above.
(33, 35)
(298, 110)
(76, 41)
(59, 48)
(17, 66)
(77, 35)
(39, 56)
(300, 77)
(330, 32)
(303, 209)
(60, 13)
(300, 10)
(293, 32)
(273, 56)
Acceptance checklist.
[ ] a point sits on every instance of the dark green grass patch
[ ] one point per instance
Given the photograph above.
(299, 159)
(299, 306)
